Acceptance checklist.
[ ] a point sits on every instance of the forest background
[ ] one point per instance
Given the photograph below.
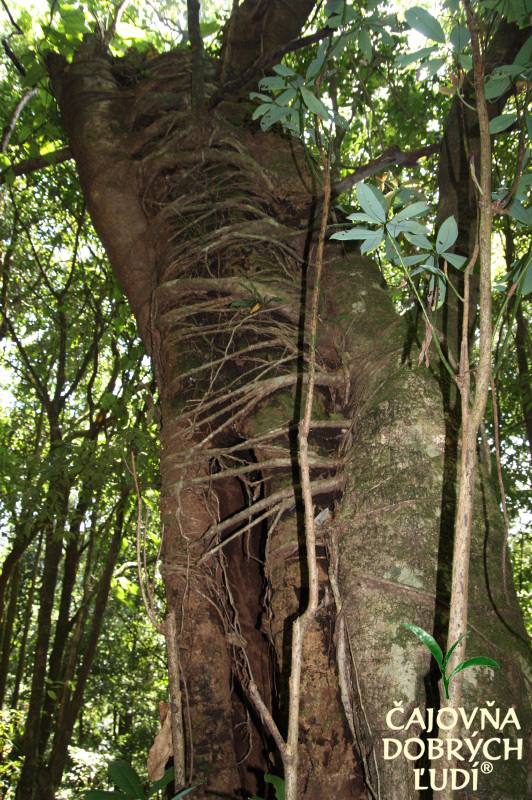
(79, 392)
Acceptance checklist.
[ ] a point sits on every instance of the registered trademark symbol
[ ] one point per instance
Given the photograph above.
(486, 767)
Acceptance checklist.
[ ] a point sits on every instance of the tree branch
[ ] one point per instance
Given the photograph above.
(10, 127)
(29, 165)
(264, 60)
(393, 155)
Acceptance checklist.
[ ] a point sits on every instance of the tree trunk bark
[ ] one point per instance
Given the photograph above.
(70, 566)
(48, 778)
(21, 657)
(207, 227)
(8, 631)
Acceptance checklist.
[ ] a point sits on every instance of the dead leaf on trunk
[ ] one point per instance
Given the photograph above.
(161, 749)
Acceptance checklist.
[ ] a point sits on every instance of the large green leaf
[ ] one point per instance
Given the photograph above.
(125, 777)
(496, 86)
(101, 794)
(419, 240)
(524, 56)
(409, 58)
(430, 68)
(354, 233)
(372, 201)
(278, 784)
(282, 69)
(460, 37)
(418, 209)
(517, 211)
(161, 783)
(427, 640)
(478, 661)
(449, 654)
(502, 122)
(360, 217)
(364, 43)
(526, 285)
(313, 103)
(420, 19)
(447, 235)
(454, 259)
(372, 242)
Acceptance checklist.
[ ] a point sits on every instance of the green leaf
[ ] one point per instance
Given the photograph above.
(418, 209)
(73, 19)
(34, 74)
(447, 235)
(9, 176)
(282, 69)
(371, 242)
(465, 61)
(359, 217)
(372, 201)
(101, 794)
(274, 115)
(430, 268)
(427, 640)
(208, 28)
(125, 777)
(278, 783)
(409, 58)
(526, 283)
(430, 68)
(259, 96)
(183, 792)
(460, 37)
(447, 657)
(517, 211)
(108, 400)
(364, 43)
(524, 56)
(275, 82)
(478, 661)
(503, 121)
(420, 19)
(354, 233)
(260, 110)
(286, 97)
(317, 63)
(242, 303)
(419, 240)
(313, 103)
(410, 225)
(496, 86)
(161, 783)
(442, 291)
(454, 259)
(409, 261)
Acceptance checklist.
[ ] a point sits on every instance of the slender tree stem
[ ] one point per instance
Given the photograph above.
(472, 412)
(197, 87)
(302, 623)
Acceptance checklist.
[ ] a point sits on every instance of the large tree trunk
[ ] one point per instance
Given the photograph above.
(206, 226)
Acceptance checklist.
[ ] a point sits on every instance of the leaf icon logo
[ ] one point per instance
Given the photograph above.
(436, 651)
